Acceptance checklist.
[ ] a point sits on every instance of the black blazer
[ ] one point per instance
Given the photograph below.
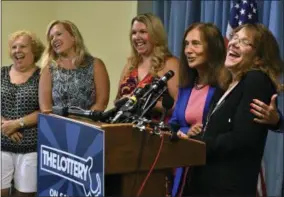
(234, 142)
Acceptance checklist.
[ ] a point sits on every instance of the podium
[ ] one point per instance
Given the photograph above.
(127, 153)
(130, 153)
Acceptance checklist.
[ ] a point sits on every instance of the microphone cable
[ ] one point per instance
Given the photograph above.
(152, 167)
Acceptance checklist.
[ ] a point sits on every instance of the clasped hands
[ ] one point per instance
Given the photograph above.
(193, 131)
(10, 128)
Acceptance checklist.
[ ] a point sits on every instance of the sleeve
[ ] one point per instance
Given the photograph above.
(174, 117)
(279, 128)
(245, 135)
(4, 70)
(175, 124)
(281, 123)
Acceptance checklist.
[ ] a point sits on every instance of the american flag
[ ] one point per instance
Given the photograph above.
(242, 11)
(245, 11)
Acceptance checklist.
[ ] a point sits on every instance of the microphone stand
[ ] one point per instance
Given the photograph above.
(141, 122)
(147, 101)
(153, 103)
(161, 126)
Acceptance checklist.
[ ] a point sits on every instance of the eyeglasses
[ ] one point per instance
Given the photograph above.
(242, 42)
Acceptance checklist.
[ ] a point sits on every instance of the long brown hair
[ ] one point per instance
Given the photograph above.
(214, 49)
(266, 49)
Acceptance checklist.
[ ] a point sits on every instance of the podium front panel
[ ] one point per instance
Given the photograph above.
(70, 157)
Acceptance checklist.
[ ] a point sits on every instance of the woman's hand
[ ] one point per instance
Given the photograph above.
(266, 114)
(16, 137)
(193, 131)
(181, 135)
(9, 127)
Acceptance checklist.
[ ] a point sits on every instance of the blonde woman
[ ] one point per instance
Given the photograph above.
(70, 75)
(150, 57)
(19, 111)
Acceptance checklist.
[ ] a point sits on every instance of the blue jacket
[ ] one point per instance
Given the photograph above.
(178, 122)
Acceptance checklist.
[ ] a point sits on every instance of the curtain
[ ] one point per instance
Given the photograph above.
(178, 15)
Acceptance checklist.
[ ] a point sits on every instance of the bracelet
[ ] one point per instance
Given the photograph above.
(22, 123)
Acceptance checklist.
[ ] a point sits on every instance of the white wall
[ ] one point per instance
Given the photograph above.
(104, 25)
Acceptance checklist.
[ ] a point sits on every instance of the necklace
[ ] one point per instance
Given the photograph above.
(197, 86)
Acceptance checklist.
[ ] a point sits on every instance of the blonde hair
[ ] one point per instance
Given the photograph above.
(158, 39)
(37, 45)
(81, 51)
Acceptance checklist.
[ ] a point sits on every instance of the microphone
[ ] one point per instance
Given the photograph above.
(159, 83)
(120, 102)
(167, 104)
(129, 105)
(65, 111)
(111, 112)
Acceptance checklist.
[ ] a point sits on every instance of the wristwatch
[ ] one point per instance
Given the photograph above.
(22, 123)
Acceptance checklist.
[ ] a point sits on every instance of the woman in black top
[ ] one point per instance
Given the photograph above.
(234, 142)
(20, 108)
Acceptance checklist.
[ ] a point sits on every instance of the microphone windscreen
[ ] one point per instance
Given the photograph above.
(170, 74)
(138, 92)
(107, 114)
(167, 101)
(174, 127)
(61, 111)
(121, 102)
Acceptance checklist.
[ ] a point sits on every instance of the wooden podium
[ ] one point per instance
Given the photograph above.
(130, 153)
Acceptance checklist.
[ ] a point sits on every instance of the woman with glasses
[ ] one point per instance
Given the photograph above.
(214, 106)
(265, 114)
(234, 141)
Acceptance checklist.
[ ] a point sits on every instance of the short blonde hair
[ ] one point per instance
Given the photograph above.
(37, 45)
(81, 51)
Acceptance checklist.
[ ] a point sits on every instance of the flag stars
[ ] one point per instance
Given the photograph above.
(242, 12)
(250, 16)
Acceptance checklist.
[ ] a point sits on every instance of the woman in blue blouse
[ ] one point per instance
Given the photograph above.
(202, 58)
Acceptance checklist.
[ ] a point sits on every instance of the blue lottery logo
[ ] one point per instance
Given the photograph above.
(70, 158)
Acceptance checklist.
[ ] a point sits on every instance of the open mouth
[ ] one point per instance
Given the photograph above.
(140, 44)
(19, 56)
(57, 45)
(191, 59)
(233, 54)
